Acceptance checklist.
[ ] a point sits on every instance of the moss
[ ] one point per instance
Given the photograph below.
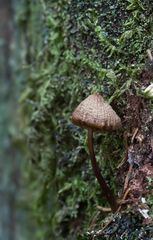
(75, 48)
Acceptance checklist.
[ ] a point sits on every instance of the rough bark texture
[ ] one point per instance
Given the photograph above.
(75, 48)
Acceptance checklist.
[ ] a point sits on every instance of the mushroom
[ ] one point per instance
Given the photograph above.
(95, 114)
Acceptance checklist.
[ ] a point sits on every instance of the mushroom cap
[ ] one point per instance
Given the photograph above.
(94, 112)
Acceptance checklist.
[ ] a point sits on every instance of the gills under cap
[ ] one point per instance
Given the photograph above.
(94, 112)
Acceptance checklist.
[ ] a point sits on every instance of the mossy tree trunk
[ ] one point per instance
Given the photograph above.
(75, 48)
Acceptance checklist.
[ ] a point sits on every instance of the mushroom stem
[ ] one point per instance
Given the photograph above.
(104, 187)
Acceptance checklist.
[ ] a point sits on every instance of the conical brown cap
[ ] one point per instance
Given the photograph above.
(95, 113)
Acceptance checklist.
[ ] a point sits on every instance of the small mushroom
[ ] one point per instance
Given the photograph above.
(95, 114)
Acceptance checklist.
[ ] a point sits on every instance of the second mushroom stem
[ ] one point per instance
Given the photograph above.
(104, 187)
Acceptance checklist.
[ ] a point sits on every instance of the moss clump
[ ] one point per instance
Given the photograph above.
(76, 48)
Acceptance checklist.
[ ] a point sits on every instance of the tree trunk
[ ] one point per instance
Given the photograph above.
(77, 48)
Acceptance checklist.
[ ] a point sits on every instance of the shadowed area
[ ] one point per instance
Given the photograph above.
(12, 217)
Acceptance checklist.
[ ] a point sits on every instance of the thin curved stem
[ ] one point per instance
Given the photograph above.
(104, 187)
